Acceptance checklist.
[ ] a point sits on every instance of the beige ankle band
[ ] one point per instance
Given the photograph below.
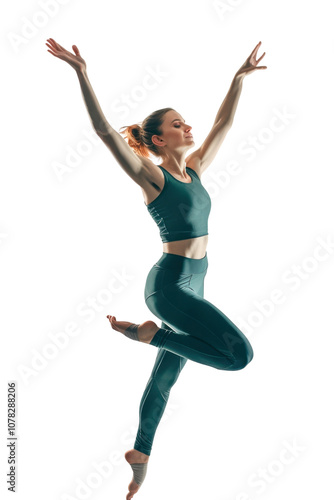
(139, 472)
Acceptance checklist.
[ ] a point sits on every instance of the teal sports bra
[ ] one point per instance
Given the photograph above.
(181, 210)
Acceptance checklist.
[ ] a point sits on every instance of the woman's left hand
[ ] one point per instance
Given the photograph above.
(251, 63)
(75, 60)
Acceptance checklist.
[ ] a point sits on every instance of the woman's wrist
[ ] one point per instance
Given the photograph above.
(238, 77)
(81, 71)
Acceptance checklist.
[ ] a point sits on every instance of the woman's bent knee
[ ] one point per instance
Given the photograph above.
(244, 357)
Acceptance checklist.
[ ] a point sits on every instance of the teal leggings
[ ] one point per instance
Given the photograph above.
(191, 328)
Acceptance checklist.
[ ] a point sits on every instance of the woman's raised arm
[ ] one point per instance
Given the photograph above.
(126, 157)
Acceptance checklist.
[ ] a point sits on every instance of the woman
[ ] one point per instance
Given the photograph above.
(191, 327)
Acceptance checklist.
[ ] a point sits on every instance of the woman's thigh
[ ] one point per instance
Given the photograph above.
(174, 298)
(168, 365)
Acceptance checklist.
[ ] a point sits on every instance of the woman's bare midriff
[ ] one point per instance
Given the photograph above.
(193, 248)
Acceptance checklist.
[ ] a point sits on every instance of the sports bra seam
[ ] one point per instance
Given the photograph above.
(191, 237)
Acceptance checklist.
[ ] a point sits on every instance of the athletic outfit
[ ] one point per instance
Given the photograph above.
(181, 210)
(191, 327)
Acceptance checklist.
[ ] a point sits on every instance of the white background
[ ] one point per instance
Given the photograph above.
(64, 238)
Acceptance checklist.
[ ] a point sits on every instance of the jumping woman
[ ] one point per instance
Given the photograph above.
(191, 327)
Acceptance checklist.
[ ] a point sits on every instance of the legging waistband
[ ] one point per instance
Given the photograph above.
(182, 264)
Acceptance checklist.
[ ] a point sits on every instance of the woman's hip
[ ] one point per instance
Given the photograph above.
(175, 272)
(181, 264)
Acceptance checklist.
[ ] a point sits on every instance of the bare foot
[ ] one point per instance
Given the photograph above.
(134, 457)
(146, 330)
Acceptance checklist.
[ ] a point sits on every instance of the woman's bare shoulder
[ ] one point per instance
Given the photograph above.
(153, 180)
(193, 162)
(151, 171)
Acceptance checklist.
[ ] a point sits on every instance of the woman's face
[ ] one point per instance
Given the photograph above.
(176, 134)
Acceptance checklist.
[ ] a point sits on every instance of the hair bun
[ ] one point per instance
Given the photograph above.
(136, 131)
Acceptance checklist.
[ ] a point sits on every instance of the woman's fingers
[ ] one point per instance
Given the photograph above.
(58, 46)
(253, 54)
(257, 47)
(52, 42)
(52, 51)
(73, 59)
(49, 45)
(52, 47)
(59, 50)
(260, 58)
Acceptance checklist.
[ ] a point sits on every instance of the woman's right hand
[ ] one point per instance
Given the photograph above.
(76, 61)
